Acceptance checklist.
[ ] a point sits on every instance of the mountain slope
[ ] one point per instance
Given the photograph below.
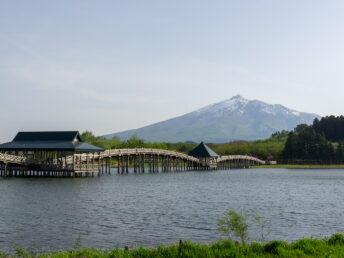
(233, 119)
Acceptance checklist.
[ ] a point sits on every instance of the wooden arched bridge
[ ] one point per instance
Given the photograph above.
(65, 154)
(140, 160)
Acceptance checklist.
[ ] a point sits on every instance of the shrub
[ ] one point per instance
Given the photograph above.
(274, 246)
(336, 239)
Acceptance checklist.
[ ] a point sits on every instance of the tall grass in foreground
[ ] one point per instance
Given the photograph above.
(309, 247)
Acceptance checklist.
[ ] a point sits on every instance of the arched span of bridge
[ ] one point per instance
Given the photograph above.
(238, 161)
(156, 159)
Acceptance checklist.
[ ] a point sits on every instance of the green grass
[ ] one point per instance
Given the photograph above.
(299, 166)
(309, 247)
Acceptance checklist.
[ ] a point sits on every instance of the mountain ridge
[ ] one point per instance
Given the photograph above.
(233, 119)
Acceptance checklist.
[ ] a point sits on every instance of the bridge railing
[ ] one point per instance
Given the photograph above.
(14, 159)
(125, 152)
(67, 161)
(240, 157)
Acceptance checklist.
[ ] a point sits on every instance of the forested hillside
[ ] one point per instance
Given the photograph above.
(321, 142)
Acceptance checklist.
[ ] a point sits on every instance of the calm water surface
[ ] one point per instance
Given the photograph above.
(150, 209)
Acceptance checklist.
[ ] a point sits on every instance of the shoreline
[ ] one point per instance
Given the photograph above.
(332, 246)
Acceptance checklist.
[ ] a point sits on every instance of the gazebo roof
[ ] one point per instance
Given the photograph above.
(202, 150)
(51, 140)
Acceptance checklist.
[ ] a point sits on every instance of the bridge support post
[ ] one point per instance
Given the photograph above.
(150, 163)
(143, 163)
(118, 165)
(109, 171)
(127, 167)
(134, 163)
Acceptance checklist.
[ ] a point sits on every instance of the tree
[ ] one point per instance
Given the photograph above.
(88, 136)
(300, 128)
(340, 152)
(234, 224)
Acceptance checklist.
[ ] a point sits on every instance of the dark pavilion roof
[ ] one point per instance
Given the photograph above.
(202, 150)
(58, 141)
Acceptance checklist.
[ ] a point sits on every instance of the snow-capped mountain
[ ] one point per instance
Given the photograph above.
(233, 119)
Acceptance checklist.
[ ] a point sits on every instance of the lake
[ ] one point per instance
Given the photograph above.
(151, 209)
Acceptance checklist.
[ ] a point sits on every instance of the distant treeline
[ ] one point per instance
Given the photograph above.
(264, 149)
(321, 142)
(134, 142)
(269, 149)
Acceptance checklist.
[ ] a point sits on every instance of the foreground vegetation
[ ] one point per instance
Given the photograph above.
(234, 226)
(310, 247)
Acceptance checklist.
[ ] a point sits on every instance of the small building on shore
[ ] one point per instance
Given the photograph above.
(207, 156)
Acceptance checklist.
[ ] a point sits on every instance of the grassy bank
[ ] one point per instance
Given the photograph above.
(311, 247)
(299, 166)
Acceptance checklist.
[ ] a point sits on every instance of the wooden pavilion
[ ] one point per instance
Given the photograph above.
(207, 157)
(56, 153)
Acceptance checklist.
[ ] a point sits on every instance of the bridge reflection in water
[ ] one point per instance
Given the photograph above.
(64, 154)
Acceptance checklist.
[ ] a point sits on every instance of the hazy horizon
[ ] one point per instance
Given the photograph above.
(114, 66)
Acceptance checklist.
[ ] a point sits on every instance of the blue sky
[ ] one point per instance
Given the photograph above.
(108, 66)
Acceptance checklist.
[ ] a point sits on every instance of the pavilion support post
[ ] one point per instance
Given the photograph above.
(86, 162)
(99, 171)
(73, 167)
(93, 163)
